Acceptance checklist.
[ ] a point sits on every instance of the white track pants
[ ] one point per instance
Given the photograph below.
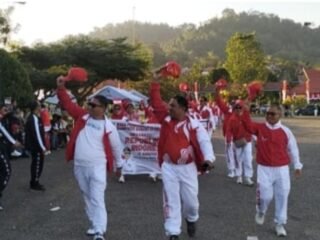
(273, 181)
(230, 158)
(243, 159)
(180, 187)
(92, 183)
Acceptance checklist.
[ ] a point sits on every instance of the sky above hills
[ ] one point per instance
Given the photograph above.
(51, 20)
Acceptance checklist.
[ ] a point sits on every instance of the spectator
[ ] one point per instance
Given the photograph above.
(35, 143)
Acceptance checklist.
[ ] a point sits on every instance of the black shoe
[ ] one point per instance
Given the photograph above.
(174, 237)
(37, 187)
(191, 228)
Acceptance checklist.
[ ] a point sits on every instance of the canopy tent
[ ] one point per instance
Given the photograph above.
(140, 95)
(54, 99)
(113, 93)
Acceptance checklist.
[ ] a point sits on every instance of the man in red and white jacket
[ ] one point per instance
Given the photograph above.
(183, 145)
(240, 139)
(276, 149)
(94, 143)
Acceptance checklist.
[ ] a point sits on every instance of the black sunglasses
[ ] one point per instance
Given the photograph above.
(271, 114)
(93, 105)
(238, 107)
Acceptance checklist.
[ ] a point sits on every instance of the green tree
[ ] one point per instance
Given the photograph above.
(6, 26)
(114, 59)
(14, 80)
(245, 58)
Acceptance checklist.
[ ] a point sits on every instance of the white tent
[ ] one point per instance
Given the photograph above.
(113, 93)
(54, 99)
(139, 94)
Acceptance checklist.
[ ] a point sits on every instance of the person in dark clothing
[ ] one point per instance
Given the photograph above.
(6, 141)
(35, 144)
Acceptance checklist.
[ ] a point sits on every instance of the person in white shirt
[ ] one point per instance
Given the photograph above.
(94, 143)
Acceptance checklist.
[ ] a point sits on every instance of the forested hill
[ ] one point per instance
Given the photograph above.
(278, 37)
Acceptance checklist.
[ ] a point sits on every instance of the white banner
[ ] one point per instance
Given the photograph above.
(140, 143)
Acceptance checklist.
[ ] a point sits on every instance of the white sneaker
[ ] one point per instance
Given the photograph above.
(248, 181)
(231, 174)
(239, 180)
(47, 152)
(122, 179)
(90, 232)
(259, 218)
(153, 177)
(98, 236)
(280, 230)
(16, 153)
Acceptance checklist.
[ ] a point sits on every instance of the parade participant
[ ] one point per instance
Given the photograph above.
(276, 149)
(241, 139)
(35, 143)
(94, 143)
(216, 113)
(226, 111)
(183, 145)
(206, 114)
(151, 118)
(5, 141)
(130, 113)
(117, 112)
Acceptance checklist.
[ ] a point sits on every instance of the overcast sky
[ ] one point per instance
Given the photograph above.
(50, 20)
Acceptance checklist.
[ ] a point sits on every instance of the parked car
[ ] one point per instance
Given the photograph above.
(307, 110)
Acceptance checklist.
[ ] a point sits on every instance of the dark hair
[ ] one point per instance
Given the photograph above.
(33, 105)
(182, 102)
(277, 106)
(102, 100)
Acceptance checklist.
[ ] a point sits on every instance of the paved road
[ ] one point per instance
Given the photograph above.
(135, 208)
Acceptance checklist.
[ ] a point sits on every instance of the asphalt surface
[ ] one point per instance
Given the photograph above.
(135, 208)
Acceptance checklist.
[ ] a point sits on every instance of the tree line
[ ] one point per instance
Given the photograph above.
(249, 45)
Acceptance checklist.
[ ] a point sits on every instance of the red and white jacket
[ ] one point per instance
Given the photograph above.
(180, 142)
(235, 129)
(111, 140)
(206, 113)
(276, 144)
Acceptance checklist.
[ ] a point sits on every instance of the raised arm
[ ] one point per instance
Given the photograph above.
(248, 124)
(160, 108)
(72, 108)
(221, 104)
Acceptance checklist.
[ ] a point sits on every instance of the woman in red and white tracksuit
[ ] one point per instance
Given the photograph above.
(235, 131)
(276, 149)
(183, 145)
